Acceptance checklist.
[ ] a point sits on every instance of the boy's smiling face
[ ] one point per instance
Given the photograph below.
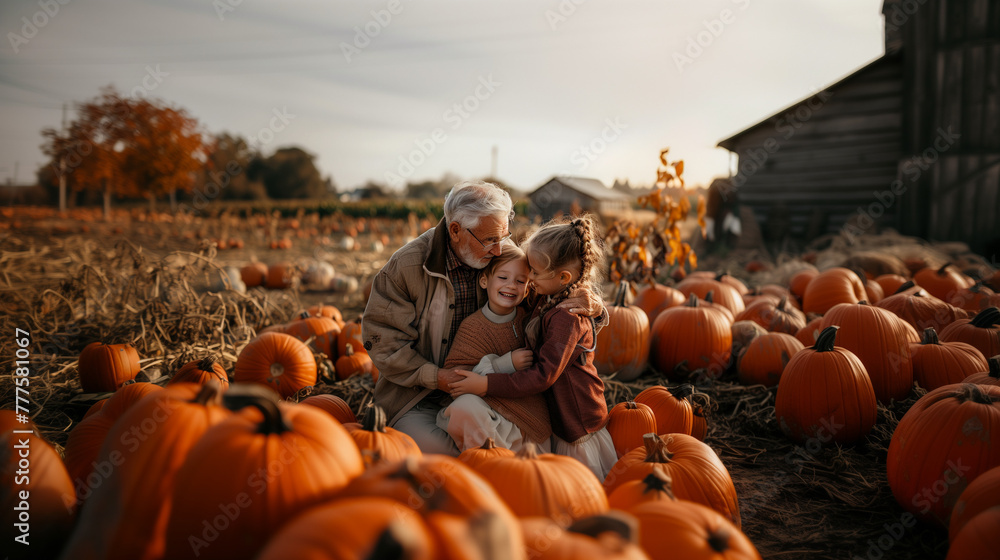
(506, 288)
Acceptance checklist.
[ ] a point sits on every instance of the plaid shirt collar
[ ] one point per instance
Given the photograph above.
(452, 261)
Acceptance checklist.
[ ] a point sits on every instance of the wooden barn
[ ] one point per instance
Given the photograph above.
(909, 141)
(569, 194)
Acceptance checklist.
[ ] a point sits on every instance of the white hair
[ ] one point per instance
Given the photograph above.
(470, 201)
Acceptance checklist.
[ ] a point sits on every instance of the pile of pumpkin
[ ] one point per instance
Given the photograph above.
(834, 345)
(199, 468)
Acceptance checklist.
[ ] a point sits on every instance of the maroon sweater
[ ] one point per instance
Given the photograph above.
(574, 391)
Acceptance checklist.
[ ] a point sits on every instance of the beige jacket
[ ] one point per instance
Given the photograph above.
(407, 321)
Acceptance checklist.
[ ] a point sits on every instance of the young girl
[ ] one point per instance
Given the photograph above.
(561, 257)
(492, 340)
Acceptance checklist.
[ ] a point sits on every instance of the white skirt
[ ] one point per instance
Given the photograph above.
(595, 450)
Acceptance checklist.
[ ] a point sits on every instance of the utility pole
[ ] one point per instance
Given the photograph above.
(62, 169)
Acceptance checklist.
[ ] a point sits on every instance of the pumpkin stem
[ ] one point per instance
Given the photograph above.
(681, 391)
(825, 340)
(488, 444)
(206, 363)
(209, 394)
(719, 540)
(659, 481)
(781, 304)
(630, 405)
(710, 296)
(970, 392)
(863, 302)
(528, 451)
(930, 336)
(904, 286)
(617, 522)
(304, 315)
(941, 271)
(242, 395)
(692, 301)
(986, 318)
(374, 419)
(656, 449)
(619, 300)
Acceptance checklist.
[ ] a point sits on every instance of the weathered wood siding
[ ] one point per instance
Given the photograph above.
(952, 68)
(808, 169)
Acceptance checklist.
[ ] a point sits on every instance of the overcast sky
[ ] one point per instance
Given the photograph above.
(585, 87)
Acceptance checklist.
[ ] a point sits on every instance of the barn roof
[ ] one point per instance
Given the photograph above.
(586, 186)
(730, 143)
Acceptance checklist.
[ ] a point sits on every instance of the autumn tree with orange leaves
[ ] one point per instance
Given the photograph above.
(639, 252)
(121, 146)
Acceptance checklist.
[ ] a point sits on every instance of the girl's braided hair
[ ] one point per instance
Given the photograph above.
(575, 243)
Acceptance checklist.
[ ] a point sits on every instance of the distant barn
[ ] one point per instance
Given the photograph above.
(566, 194)
(910, 140)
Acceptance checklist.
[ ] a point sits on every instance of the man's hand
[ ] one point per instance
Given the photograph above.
(446, 376)
(470, 383)
(583, 301)
(522, 358)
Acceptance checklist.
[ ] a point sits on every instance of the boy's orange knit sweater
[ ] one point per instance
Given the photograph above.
(478, 336)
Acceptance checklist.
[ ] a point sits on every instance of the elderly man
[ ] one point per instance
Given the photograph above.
(419, 299)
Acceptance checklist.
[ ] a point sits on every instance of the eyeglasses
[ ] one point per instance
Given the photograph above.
(488, 247)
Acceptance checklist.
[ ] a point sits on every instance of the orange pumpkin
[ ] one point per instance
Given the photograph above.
(319, 333)
(613, 535)
(105, 367)
(475, 456)
(744, 332)
(623, 344)
(333, 405)
(691, 338)
(800, 281)
(990, 375)
(975, 298)
(278, 361)
(979, 538)
(330, 311)
(670, 407)
(279, 275)
(890, 283)
(546, 484)
(944, 441)
(200, 372)
(52, 501)
(378, 442)
(654, 298)
(696, 471)
(332, 530)
(724, 293)
(126, 517)
(980, 495)
(775, 317)
(87, 437)
(656, 486)
(254, 274)
(936, 363)
(351, 363)
(671, 529)
(881, 340)
(981, 331)
(766, 358)
(831, 287)
(944, 282)
(699, 422)
(808, 334)
(920, 309)
(279, 460)
(627, 423)
(825, 395)
(350, 334)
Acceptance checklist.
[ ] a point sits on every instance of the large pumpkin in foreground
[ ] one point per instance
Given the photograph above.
(947, 438)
